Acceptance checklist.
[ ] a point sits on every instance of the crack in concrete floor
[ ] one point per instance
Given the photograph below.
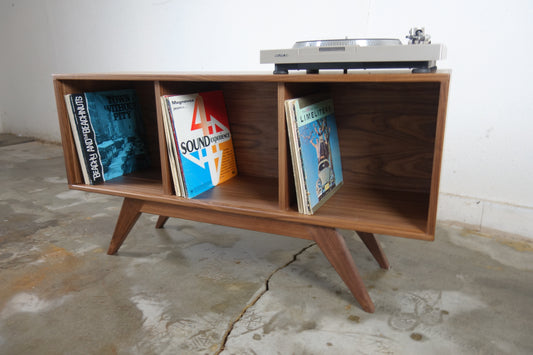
(258, 297)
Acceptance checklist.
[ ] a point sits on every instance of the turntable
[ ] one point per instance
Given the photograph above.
(359, 53)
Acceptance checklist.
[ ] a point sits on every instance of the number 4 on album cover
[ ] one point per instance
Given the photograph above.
(204, 141)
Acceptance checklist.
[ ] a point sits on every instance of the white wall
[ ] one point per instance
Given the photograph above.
(488, 157)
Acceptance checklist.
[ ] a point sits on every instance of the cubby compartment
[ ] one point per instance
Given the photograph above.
(144, 181)
(252, 114)
(387, 135)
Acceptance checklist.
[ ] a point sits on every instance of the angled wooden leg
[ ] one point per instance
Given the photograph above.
(129, 214)
(375, 248)
(334, 248)
(161, 221)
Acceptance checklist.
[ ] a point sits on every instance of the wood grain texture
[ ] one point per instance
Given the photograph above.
(129, 214)
(383, 212)
(391, 128)
(166, 178)
(161, 222)
(368, 76)
(148, 105)
(245, 192)
(284, 169)
(72, 164)
(387, 133)
(258, 224)
(253, 109)
(375, 249)
(437, 157)
(334, 248)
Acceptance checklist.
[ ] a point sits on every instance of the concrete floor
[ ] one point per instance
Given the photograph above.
(182, 289)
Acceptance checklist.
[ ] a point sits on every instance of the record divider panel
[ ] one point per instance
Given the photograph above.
(391, 131)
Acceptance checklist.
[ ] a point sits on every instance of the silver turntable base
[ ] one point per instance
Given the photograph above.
(358, 53)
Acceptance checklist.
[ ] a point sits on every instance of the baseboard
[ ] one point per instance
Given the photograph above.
(486, 216)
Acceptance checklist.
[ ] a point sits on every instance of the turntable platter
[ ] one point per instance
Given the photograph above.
(362, 42)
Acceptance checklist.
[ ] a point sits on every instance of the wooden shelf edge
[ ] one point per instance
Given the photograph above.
(363, 76)
(274, 213)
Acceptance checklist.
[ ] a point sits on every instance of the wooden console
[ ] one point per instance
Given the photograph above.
(391, 128)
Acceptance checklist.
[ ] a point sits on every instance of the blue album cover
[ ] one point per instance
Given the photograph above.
(115, 117)
(319, 150)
